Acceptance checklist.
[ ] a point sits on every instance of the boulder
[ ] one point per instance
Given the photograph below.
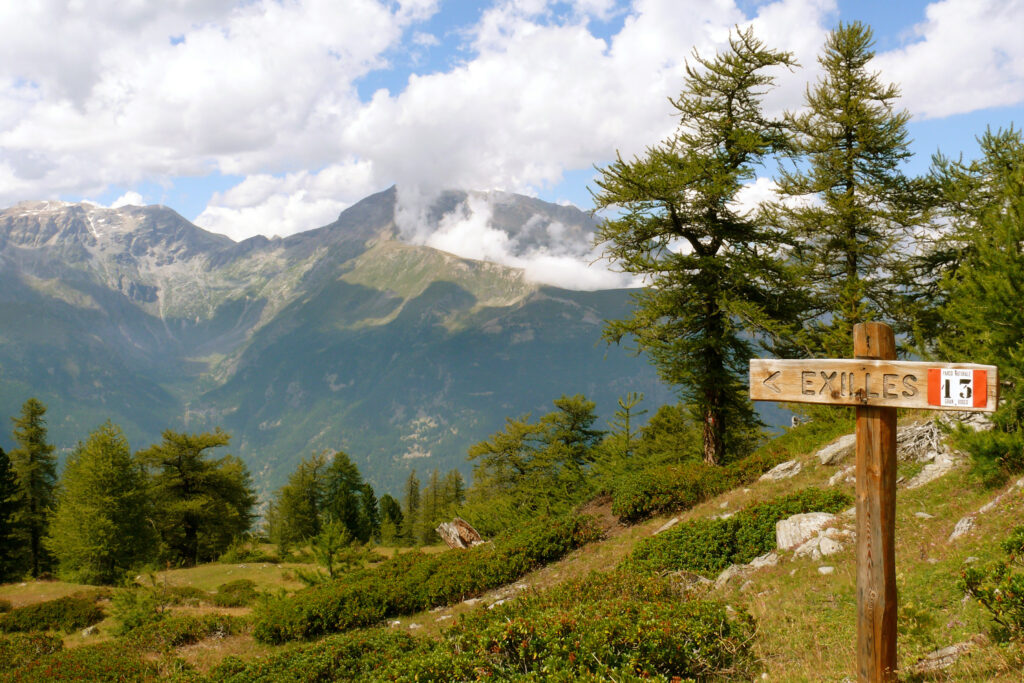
(962, 527)
(666, 526)
(796, 530)
(783, 471)
(838, 450)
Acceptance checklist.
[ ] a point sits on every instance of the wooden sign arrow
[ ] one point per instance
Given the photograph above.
(889, 384)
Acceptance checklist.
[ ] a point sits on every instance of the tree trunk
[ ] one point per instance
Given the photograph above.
(714, 425)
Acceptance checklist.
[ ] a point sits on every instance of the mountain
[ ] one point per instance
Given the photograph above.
(348, 336)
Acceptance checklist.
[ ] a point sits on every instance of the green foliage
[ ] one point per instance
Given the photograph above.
(100, 528)
(711, 545)
(999, 587)
(137, 606)
(35, 468)
(345, 657)
(238, 593)
(848, 145)
(5, 606)
(335, 550)
(299, 504)
(19, 649)
(412, 582)
(533, 468)
(103, 662)
(201, 505)
(247, 550)
(11, 546)
(714, 273)
(410, 509)
(180, 629)
(63, 614)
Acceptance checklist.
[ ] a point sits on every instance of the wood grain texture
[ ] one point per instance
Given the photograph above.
(861, 382)
(876, 520)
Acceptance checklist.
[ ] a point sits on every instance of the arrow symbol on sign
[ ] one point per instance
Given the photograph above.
(768, 382)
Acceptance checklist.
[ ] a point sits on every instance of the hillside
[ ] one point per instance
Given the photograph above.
(341, 337)
(802, 603)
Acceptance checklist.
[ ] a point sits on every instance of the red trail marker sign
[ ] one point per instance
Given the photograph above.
(877, 384)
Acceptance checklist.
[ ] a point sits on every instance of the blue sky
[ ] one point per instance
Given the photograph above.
(272, 116)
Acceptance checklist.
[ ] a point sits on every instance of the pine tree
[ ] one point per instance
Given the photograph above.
(100, 527)
(454, 490)
(11, 547)
(714, 275)
(431, 509)
(624, 425)
(35, 468)
(343, 489)
(390, 520)
(300, 503)
(411, 509)
(846, 203)
(369, 514)
(202, 505)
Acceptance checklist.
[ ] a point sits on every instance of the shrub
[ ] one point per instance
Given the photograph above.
(103, 662)
(181, 629)
(412, 582)
(135, 607)
(5, 606)
(999, 587)
(240, 593)
(711, 545)
(344, 657)
(63, 614)
(18, 649)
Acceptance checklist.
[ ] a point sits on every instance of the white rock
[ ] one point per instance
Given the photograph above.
(767, 560)
(971, 560)
(825, 571)
(395, 624)
(666, 526)
(783, 470)
(844, 475)
(471, 601)
(497, 602)
(838, 450)
(731, 572)
(724, 504)
(849, 512)
(90, 631)
(795, 531)
(413, 627)
(923, 515)
(941, 464)
(962, 527)
(443, 617)
(829, 547)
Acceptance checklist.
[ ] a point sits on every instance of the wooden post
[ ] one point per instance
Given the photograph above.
(876, 519)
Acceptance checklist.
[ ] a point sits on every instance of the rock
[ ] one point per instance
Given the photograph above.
(795, 531)
(497, 602)
(829, 547)
(458, 533)
(971, 560)
(521, 586)
(844, 475)
(471, 601)
(443, 617)
(942, 462)
(731, 572)
(688, 581)
(849, 512)
(413, 627)
(923, 515)
(962, 527)
(818, 547)
(941, 659)
(394, 624)
(783, 470)
(666, 526)
(747, 585)
(90, 631)
(767, 560)
(826, 570)
(724, 504)
(838, 450)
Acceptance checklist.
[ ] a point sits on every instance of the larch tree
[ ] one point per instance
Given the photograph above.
(35, 468)
(410, 509)
(714, 273)
(11, 547)
(202, 504)
(849, 208)
(342, 495)
(101, 524)
(300, 503)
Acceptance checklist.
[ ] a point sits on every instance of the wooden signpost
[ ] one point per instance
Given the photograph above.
(877, 384)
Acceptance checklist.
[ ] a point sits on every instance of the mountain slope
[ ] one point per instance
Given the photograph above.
(338, 337)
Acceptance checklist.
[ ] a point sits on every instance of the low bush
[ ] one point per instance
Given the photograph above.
(5, 606)
(18, 649)
(240, 593)
(711, 545)
(248, 551)
(669, 488)
(182, 595)
(181, 629)
(999, 587)
(344, 657)
(63, 614)
(103, 662)
(413, 581)
(135, 607)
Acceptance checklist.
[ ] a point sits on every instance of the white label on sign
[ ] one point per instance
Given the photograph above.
(957, 388)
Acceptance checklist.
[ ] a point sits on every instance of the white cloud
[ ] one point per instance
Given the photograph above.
(130, 198)
(968, 56)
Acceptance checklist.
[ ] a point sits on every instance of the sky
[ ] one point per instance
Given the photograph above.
(272, 116)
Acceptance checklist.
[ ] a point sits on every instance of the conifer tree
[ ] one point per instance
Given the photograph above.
(100, 526)
(454, 490)
(390, 520)
(369, 514)
(35, 468)
(343, 490)
(714, 274)
(411, 509)
(624, 425)
(202, 505)
(11, 547)
(845, 201)
(300, 503)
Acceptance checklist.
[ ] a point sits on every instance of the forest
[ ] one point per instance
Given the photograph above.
(846, 238)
